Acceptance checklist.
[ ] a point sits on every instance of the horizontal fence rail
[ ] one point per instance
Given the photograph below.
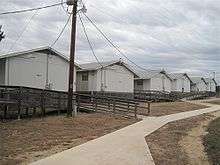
(25, 101)
(171, 96)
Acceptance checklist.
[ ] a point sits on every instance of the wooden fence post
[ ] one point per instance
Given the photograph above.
(109, 104)
(96, 104)
(34, 111)
(114, 104)
(59, 104)
(5, 112)
(149, 108)
(19, 102)
(135, 111)
(43, 103)
(26, 111)
(128, 106)
(78, 103)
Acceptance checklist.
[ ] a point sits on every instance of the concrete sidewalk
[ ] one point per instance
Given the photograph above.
(123, 147)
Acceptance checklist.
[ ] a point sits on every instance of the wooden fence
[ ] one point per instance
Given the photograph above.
(171, 96)
(25, 101)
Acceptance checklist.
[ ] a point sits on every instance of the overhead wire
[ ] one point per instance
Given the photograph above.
(24, 29)
(61, 32)
(112, 44)
(87, 38)
(31, 9)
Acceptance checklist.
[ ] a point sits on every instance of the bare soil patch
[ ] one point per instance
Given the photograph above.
(167, 108)
(180, 142)
(215, 102)
(212, 141)
(32, 139)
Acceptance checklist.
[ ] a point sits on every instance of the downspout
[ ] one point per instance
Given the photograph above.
(101, 79)
(8, 69)
(163, 83)
(47, 70)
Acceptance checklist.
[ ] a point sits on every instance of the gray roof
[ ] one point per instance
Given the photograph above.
(210, 80)
(197, 79)
(47, 48)
(96, 66)
(148, 74)
(176, 76)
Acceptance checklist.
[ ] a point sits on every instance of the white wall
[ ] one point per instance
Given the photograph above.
(90, 85)
(147, 84)
(156, 83)
(114, 78)
(211, 86)
(200, 86)
(178, 84)
(30, 70)
(58, 70)
(160, 83)
(117, 78)
(2, 72)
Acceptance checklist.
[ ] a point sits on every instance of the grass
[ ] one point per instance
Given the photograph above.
(214, 102)
(28, 140)
(212, 141)
(167, 108)
(165, 145)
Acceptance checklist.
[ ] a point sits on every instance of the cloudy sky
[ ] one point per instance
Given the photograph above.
(178, 35)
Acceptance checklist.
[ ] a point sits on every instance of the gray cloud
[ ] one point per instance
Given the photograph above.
(176, 35)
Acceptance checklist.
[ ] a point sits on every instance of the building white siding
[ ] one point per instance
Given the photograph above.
(31, 70)
(147, 84)
(211, 86)
(115, 78)
(58, 73)
(161, 83)
(90, 84)
(200, 86)
(181, 85)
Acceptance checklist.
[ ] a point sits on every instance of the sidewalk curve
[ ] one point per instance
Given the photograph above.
(126, 146)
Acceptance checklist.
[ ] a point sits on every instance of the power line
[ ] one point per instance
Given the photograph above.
(111, 43)
(87, 37)
(25, 28)
(31, 9)
(60, 34)
(108, 14)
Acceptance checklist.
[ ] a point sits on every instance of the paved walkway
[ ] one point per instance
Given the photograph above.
(123, 147)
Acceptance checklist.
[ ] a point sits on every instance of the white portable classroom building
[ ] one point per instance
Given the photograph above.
(180, 82)
(111, 76)
(155, 80)
(211, 84)
(198, 84)
(43, 68)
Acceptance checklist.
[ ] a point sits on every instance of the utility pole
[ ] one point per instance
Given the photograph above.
(2, 36)
(214, 75)
(72, 3)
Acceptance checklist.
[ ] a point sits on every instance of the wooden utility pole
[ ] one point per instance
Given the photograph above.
(72, 57)
(1, 34)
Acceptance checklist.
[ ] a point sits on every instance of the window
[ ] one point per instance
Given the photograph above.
(85, 77)
(139, 82)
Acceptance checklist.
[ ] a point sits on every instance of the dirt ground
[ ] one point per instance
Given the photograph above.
(32, 139)
(167, 108)
(214, 102)
(176, 142)
(211, 141)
